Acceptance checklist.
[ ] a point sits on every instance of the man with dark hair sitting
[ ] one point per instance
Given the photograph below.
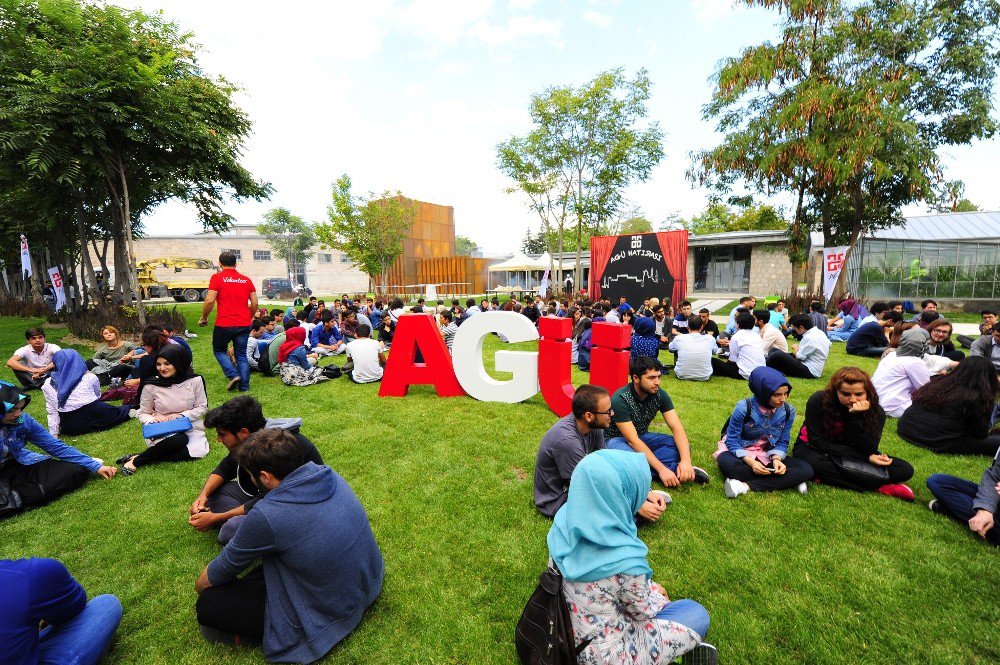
(988, 346)
(230, 493)
(321, 565)
(32, 363)
(870, 339)
(366, 357)
(989, 318)
(634, 406)
(810, 353)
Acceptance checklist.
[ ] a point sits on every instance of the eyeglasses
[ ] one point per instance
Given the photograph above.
(609, 412)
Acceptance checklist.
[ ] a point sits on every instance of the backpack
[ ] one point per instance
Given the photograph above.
(544, 633)
(725, 426)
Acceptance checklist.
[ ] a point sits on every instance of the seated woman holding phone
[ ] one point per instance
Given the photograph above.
(752, 452)
(171, 409)
(841, 434)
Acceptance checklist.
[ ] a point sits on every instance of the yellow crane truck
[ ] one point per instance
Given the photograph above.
(159, 278)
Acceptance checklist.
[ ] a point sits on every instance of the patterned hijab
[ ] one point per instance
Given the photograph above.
(594, 535)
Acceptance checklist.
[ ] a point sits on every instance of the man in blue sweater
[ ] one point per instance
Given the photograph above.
(29, 479)
(326, 339)
(870, 339)
(76, 631)
(321, 565)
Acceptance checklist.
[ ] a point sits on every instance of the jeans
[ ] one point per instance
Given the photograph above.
(687, 613)
(956, 496)
(223, 500)
(868, 351)
(788, 365)
(84, 638)
(239, 336)
(234, 610)
(661, 445)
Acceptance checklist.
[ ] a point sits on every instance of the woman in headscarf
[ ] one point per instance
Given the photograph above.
(848, 322)
(174, 392)
(293, 360)
(752, 454)
(616, 609)
(899, 374)
(73, 399)
(644, 339)
(584, 345)
(954, 413)
(844, 422)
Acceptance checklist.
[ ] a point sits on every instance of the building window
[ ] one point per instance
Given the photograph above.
(324, 258)
(344, 259)
(261, 255)
(234, 252)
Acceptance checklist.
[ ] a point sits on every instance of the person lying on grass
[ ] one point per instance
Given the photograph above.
(568, 441)
(175, 392)
(841, 434)
(752, 452)
(73, 399)
(321, 565)
(29, 479)
(978, 506)
(618, 614)
(634, 407)
(229, 492)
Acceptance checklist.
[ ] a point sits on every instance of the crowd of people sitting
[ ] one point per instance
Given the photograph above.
(273, 499)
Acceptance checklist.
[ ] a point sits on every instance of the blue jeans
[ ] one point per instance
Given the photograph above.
(956, 496)
(687, 613)
(300, 358)
(84, 638)
(239, 336)
(661, 445)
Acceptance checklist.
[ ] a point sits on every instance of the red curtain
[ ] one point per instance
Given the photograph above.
(601, 248)
(674, 245)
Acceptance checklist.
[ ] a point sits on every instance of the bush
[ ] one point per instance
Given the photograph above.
(25, 309)
(796, 304)
(88, 324)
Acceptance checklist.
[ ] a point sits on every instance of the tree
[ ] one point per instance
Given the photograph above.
(635, 225)
(112, 104)
(534, 243)
(290, 238)
(370, 230)
(585, 149)
(846, 111)
(464, 246)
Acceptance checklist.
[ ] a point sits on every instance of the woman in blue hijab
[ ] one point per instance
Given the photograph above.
(753, 452)
(616, 609)
(644, 339)
(73, 398)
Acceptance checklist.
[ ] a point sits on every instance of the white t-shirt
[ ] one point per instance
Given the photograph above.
(694, 356)
(36, 360)
(895, 379)
(746, 349)
(773, 339)
(364, 352)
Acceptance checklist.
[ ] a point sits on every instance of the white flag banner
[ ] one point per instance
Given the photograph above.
(543, 286)
(57, 285)
(833, 264)
(25, 258)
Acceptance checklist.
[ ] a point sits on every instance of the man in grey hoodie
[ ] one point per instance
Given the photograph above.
(321, 565)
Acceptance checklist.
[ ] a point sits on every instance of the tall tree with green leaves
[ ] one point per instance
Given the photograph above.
(464, 246)
(370, 230)
(848, 108)
(587, 145)
(98, 95)
(289, 236)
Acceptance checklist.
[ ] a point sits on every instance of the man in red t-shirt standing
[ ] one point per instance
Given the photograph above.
(237, 300)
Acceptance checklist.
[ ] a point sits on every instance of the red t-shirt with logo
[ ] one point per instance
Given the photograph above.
(233, 302)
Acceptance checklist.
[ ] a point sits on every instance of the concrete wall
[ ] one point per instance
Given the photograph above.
(770, 270)
(328, 278)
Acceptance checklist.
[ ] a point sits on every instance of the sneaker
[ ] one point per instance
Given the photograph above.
(132, 413)
(735, 487)
(898, 490)
(802, 488)
(666, 497)
(935, 507)
(233, 384)
(190, 335)
(701, 476)
(703, 654)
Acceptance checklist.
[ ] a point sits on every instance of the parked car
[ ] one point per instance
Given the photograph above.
(277, 287)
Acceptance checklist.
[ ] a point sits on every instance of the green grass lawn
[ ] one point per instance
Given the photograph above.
(830, 577)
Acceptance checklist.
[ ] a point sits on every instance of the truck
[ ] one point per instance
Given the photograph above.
(158, 278)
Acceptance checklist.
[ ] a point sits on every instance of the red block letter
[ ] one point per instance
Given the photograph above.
(554, 352)
(609, 355)
(415, 331)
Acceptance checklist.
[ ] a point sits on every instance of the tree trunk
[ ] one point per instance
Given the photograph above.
(90, 279)
(133, 275)
(859, 212)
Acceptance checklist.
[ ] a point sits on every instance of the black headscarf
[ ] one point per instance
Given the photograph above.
(181, 359)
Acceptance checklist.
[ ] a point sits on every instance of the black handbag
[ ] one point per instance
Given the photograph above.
(860, 468)
(544, 633)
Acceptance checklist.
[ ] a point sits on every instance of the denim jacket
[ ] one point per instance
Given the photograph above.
(745, 429)
(16, 436)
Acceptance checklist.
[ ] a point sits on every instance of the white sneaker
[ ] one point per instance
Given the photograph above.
(666, 497)
(802, 488)
(735, 487)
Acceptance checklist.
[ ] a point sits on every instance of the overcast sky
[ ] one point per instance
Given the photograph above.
(415, 95)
